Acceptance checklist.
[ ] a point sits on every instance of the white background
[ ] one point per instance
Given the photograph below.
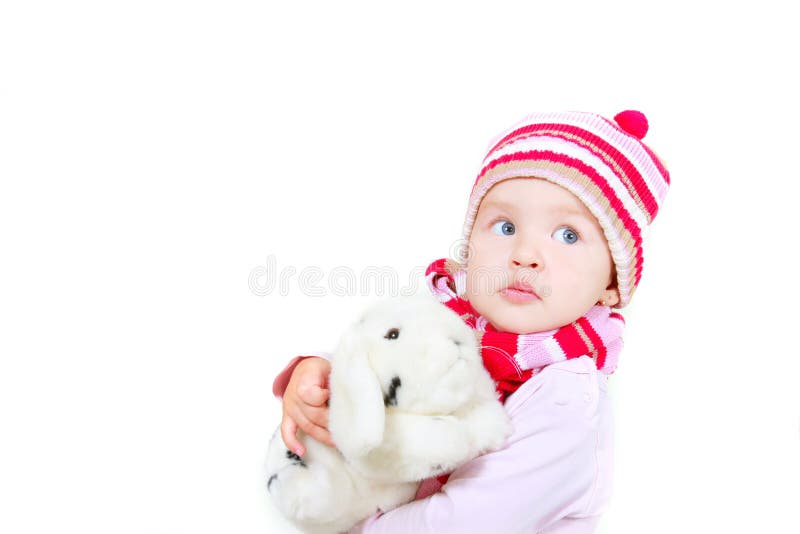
(154, 153)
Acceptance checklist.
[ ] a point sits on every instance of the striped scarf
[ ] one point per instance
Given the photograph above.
(511, 358)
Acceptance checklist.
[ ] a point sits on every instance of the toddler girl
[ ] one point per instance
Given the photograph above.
(554, 231)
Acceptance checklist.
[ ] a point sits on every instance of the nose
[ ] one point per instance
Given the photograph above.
(531, 264)
(526, 254)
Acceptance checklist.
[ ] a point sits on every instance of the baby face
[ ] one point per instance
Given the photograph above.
(535, 235)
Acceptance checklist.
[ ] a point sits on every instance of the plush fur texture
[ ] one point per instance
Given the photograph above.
(410, 399)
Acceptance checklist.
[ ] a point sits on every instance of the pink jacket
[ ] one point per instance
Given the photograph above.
(552, 476)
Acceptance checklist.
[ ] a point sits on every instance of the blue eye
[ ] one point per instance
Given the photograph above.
(567, 235)
(503, 228)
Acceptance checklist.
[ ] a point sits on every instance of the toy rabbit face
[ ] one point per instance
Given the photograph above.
(423, 355)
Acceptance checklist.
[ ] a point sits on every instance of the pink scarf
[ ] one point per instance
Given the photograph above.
(511, 358)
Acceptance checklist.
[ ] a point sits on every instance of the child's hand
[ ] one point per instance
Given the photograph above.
(305, 404)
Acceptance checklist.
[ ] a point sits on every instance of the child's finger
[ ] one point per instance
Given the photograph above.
(317, 415)
(289, 435)
(311, 429)
(313, 394)
(318, 433)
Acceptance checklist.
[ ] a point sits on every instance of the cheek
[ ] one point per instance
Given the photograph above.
(602, 266)
(593, 270)
(484, 279)
(488, 251)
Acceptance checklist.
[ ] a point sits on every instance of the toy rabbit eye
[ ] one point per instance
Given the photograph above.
(393, 333)
(567, 235)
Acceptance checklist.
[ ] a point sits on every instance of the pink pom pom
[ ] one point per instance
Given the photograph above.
(632, 121)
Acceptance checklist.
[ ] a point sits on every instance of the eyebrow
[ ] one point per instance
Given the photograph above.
(499, 204)
(563, 210)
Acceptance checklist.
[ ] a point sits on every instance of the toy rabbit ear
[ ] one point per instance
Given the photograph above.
(357, 416)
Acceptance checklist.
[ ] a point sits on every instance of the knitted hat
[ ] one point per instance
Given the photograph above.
(604, 163)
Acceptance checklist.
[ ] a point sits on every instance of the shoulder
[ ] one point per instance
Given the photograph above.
(569, 391)
(560, 453)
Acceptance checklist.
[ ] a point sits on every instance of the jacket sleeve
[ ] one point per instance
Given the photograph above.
(282, 380)
(548, 469)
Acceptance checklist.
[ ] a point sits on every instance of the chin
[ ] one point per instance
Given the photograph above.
(515, 318)
(517, 324)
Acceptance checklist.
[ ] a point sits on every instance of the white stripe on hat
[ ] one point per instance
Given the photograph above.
(630, 147)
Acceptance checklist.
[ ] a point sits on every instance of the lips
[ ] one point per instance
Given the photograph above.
(519, 292)
(524, 288)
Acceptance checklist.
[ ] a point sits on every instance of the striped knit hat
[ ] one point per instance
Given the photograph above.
(604, 163)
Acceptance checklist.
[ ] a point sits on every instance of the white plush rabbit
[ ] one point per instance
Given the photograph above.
(410, 399)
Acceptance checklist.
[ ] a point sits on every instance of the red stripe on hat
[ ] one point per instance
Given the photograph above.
(656, 161)
(639, 266)
(616, 204)
(663, 170)
(603, 149)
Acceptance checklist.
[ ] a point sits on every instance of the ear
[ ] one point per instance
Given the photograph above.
(610, 296)
(357, 415)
